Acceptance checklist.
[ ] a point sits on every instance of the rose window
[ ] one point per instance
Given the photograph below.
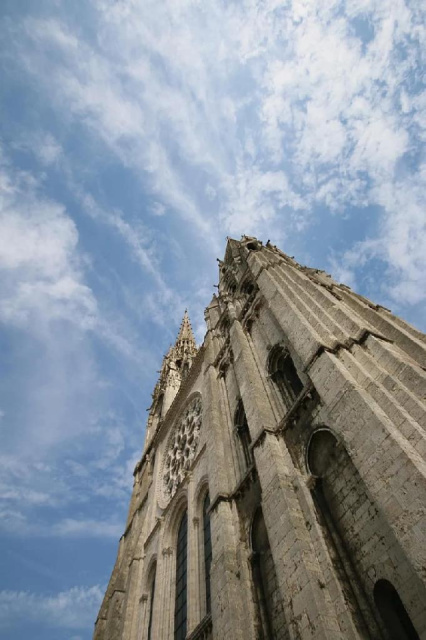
(182, 448)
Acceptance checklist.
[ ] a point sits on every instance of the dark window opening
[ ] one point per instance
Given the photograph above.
(159, 407)
(252, 246)
(284, 375)
(181, 580)
(152, 461)
(393, 612)
(247, 288)
(232, 287)
(207, 550)
(321, 452)
(242, 429)
(151, 602)
(225, 325)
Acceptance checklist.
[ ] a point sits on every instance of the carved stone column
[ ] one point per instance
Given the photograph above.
(194, 560)
(221, 477)
(143, 617)
(136, 613)
(164, 604)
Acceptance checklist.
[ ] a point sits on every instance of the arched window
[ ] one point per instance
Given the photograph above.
(248, 287)
(159, 407)
(271, 611)
(321, 451)
(283, 373)
(230, 283)
(225, 326)
(207, 539)
(185, 370)
(181, 579)
(241, 427)
(393, 612)
(151, 600)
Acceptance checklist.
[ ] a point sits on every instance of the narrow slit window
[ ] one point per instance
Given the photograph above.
(181, 580)
(207, 550)
(243, 433)
(151, 603)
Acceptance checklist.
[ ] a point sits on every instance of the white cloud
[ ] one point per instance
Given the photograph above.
(255, 199)
(75, 608)
(23, 525)
(42, 270)
(44, 293)
(210, 192)
(88, 528)
(158, 209)
(138, 238)
(43, 145)
(274, 109)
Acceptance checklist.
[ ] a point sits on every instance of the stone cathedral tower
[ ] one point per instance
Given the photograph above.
(281, 491)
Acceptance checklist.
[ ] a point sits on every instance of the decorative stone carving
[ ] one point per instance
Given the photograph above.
(182, 448)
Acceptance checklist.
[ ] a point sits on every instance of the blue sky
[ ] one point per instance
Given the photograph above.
(135, 136)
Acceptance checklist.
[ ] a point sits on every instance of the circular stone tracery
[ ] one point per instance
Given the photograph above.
(182, 448)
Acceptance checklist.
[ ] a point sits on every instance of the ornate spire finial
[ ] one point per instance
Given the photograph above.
(185, 331)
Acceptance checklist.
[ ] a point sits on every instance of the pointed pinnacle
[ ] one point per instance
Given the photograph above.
(185, 331)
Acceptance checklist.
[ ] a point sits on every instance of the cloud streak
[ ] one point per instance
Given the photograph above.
(276, 109)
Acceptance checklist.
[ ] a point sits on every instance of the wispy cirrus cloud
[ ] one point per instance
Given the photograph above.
(42, 144)
(42, 268)
(283, 112)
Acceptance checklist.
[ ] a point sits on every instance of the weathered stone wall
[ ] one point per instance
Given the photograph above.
(339, 472)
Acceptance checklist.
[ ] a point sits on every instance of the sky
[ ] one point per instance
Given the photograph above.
(135, 136)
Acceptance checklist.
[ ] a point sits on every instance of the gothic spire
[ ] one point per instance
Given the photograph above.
(185, 331)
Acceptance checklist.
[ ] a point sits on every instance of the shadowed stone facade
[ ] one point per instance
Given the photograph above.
(281, 491)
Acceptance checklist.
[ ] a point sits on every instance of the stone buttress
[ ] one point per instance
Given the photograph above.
(286, 456)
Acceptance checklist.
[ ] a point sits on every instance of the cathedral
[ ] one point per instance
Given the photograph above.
(281, 492)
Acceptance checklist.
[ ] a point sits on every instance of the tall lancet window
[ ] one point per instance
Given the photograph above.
(159, 407)
(151, 601)
(181, 580)
(207, 550)
(284, 374)
(242, 429)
